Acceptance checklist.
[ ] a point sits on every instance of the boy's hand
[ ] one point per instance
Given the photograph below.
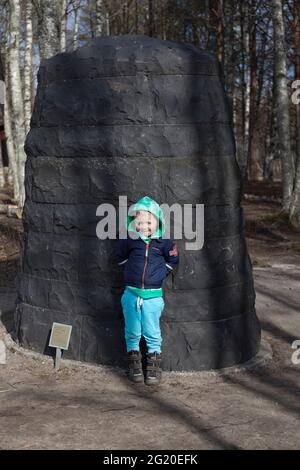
(174, 251)
(171, 256)
(121, 252)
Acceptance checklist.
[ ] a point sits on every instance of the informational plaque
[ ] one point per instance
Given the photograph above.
(60, 336)
(59, 339)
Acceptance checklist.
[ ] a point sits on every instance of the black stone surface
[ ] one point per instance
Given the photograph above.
(133, 116)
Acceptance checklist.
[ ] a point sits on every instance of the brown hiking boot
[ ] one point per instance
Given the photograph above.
(135, 371)
(153, 369)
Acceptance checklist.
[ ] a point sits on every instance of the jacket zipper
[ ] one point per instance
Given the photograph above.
(145, 264)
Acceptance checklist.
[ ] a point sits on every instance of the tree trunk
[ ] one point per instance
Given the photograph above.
(2, 92)
(17, 108)
(294, 215)
(63, 26)
(229, 48)
(49, 27)
(282, 105)
(76, 24)
(107, 24)
(207, 22)
(229, 56)
(99, 17)
(12, 158)
(271, 138)
(245, 81)
(254, 167)
(136, 17)
(151, 19)
(28, 65)
(2, 176)
(220, 32)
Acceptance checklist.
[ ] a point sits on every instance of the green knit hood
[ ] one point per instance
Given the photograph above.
(146, 204)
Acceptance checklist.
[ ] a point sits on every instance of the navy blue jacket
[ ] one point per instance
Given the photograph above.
(146, 265)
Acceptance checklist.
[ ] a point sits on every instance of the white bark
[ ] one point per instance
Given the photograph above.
(63, 26)
(271, 138)
(100, 17)
(247, 95)
(107, 24)
(2, 177)
(76, 24)
(282, 102)
(28, 65)
(48, 12)
(294, 215)
(17, 108)
(12, 158)
(229, 56)
(245, 85)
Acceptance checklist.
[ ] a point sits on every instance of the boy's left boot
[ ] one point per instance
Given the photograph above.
(153, 368)
(135, 371)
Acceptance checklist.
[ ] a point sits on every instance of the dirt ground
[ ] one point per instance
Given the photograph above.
(83, 407)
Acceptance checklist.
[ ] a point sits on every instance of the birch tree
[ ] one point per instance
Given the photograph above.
(220, 32)
(12, 176)
(100, 18)
(76, 6)
(63, 26)
(49, 17)
(12, 157)
(282, 105)
(2, 176)
(245, 85)
(229, 56)
(254, 168)
(294, 215)
(15, 89)
(28, 64)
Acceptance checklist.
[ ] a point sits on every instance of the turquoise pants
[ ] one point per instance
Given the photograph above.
(142, 318)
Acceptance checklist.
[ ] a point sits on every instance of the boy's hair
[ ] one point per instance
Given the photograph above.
(139, 211)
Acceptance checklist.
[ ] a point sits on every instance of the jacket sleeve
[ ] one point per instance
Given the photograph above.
(121, 252)
(171, 255)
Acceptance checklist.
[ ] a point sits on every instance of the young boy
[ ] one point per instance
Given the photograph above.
(146, 261)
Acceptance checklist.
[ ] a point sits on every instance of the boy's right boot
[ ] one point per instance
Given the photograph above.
(135, 371)
(153, 370)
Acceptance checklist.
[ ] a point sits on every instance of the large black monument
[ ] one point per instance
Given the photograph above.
(134, 116)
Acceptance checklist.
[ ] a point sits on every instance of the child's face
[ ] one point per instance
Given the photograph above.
(146, 223)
